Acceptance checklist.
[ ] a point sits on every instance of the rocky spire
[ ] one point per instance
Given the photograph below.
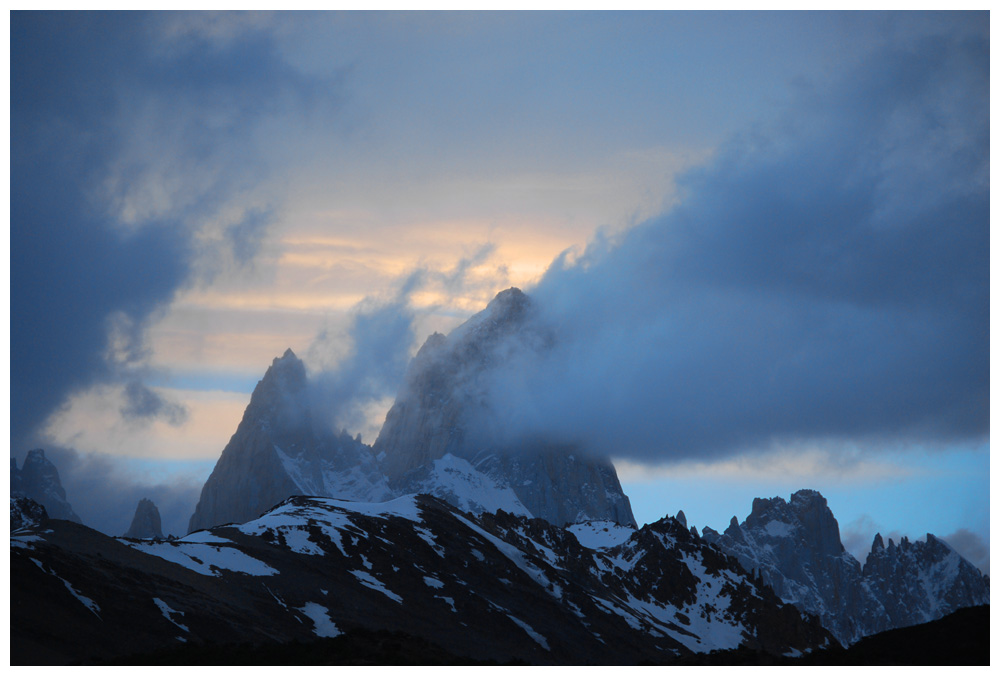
(146, 522)
(38, 479)
(280, 449)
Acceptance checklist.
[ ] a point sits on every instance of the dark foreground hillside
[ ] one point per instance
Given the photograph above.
(959, 639)
(962, 638)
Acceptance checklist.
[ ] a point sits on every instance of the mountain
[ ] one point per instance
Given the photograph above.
(922, 581)
(444, 404)
(280, 449)
(795, 548)
(429, 443)
(38, 479)
(498, 587)
(146, 522)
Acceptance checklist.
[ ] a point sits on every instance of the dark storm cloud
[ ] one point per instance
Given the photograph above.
(142, 403)
(823, 278)
(81, 83)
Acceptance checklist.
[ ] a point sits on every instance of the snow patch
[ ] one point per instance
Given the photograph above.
(323, 626)
(459, 483)
(539, 639)
(169, 612)
(87, 603)
(203, 558)
(372, 583)
(204, 537)
(779, 529)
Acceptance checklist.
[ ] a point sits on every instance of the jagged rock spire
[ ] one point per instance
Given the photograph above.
(38, 479)
(877, 544)
(146, 522)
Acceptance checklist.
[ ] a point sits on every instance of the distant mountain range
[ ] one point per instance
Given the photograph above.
(521, 551)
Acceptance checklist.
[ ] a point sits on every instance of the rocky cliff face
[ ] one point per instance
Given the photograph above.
(922, 581)
(795, 548)
(146, 522)
(26, 513)
(38, 479)
(444, 403)
(279, 450)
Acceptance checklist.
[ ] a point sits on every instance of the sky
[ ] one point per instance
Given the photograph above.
(762, 239)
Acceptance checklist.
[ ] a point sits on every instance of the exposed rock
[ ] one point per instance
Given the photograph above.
(38, 479)
(146, 522)
(26, 513)
(922, 581)
(280, 450)
(795, 547)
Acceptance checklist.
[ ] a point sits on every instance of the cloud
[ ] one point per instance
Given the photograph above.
(804, 465)
(824, 278)
(362, 367)
(187, 425)
(104, 491)
(972, 546)
(142, 403)
(129, 139)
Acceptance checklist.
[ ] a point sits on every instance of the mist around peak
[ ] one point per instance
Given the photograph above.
(823, 279)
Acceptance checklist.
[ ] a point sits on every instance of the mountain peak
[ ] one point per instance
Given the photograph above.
(807, 496)
(282, 384)
(36, 456)
(146, 522)
(509, 297)
(681, 518)
(38, 479)
(878, 544)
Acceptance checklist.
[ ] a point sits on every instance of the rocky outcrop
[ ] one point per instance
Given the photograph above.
(146, 522)
(38, 479)
(922, 581)
(444, 409)
(280, 449)
(26, 513)
(795, 548)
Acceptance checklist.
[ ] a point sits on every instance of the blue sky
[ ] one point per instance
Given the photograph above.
(765, 234)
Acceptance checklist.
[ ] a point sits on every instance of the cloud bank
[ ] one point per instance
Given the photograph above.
(104, 492)
(132, 143)
(825, 277)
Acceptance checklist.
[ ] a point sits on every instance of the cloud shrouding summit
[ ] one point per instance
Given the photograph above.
(824, 279)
